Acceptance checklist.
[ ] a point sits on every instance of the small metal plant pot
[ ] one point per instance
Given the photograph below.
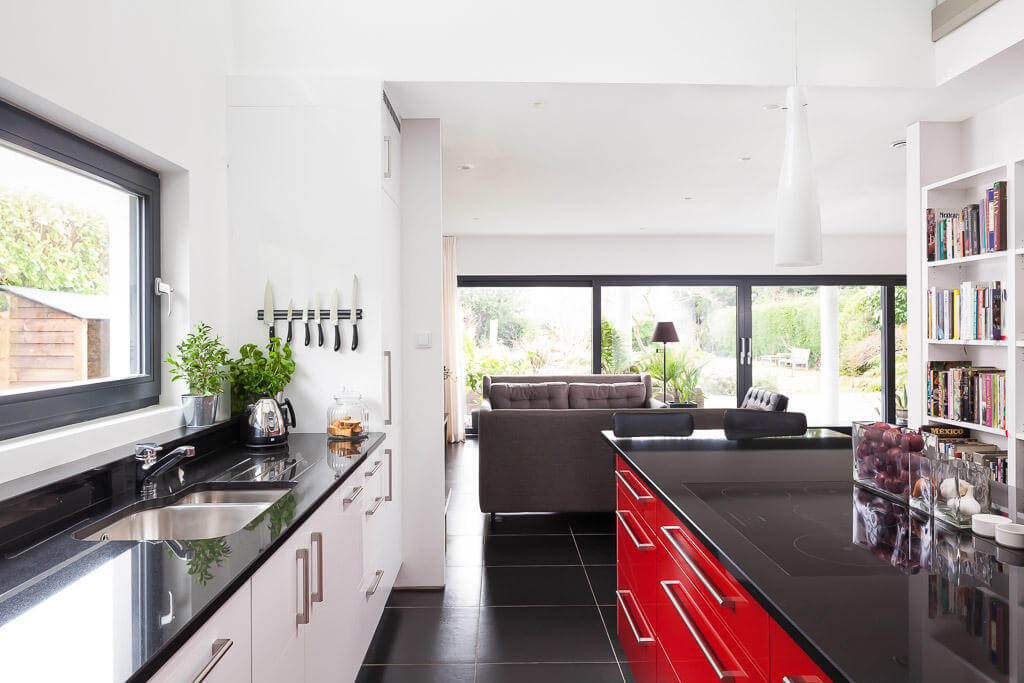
(200, 411)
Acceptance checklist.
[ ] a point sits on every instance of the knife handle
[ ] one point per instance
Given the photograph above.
(272, 334)
(355, 336)
(306, 325)
(337, 336)
(288, 339)
(319, 334)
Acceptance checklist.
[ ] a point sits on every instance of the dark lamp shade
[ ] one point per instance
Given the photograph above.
(664, 332)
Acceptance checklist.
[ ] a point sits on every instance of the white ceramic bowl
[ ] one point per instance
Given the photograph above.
(1010, 535)
(985, 525)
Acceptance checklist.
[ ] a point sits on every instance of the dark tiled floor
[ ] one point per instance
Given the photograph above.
(529, 598)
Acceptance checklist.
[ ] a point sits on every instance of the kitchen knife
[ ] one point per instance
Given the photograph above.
(288, 339)
(268, 308)
(306, 314)
(334, 320)
(319, 323)
(355, 320)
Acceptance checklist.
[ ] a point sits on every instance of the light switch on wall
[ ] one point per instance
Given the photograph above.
(423, 340)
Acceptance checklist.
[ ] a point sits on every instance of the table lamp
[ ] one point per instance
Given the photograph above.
(664, 332)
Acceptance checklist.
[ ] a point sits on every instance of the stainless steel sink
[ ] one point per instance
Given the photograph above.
(210, 513)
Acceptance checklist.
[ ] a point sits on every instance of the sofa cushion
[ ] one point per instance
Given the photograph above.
(757, 398)
(619, 395)
(526, 395)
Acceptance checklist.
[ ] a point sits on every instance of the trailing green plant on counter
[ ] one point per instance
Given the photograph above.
(201, 362)
(203, 554)
(254, 374)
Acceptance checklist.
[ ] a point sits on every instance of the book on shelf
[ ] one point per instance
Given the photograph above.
(960, 391)
(987, 455)
(974, 311)
(969, 231)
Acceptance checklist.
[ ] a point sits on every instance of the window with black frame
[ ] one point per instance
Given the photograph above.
(78, 254)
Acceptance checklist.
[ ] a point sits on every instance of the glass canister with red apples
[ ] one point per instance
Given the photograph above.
(882, 457)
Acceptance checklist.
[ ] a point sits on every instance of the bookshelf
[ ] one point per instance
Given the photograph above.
(1005, 266)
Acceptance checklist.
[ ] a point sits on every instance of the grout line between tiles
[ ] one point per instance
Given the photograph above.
(600, 614)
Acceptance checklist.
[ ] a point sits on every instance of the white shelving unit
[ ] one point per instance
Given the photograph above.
(1005, 266)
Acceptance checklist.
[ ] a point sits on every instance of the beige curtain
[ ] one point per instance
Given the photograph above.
(451, 344)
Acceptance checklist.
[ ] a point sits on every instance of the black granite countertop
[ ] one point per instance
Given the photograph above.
(872, 591)
(116, 610)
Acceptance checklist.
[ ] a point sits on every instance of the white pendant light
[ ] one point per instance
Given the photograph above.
(798, 230)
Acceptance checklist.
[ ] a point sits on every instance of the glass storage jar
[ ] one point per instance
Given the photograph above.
(881, 457)
(961, 491)
(923, 468)
(347, 418)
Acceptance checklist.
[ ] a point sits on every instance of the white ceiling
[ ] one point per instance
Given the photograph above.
(620, 159)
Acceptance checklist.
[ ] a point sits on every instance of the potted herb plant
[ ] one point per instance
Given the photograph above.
(254, 374)
(201, 363)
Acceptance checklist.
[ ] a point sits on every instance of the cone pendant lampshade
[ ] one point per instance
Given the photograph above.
(798, 230)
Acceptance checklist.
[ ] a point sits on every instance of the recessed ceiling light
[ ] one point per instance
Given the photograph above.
(773, 107)
(476, 218)
(897, 144)
(537, 104)
(466, 167)
(745, 158)
(686, 199)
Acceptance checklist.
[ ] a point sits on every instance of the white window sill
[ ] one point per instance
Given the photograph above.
(37, 452)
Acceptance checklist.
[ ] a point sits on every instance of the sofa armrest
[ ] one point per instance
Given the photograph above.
(485, 405)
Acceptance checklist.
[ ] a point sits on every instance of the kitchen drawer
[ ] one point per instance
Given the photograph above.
(631, 492)
(697, 649)
(666, 674)
(636, 556)
(790, 664)
(636, 634)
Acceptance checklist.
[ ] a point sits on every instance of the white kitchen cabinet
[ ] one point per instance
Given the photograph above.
(391, 156)
(222, 646)
(280, 609)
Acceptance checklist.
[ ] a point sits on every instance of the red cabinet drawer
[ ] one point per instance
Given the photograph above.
(714, 592)
(637, 558)
(631, 492)
(666, 674)
(789, 663)
(636, 636)
(698, 651)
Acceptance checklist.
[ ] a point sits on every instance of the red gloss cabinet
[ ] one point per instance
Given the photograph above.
(681, 616)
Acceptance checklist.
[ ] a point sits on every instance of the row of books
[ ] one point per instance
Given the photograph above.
(982, 616)
(974, 311)
(974, 229)
(965, 393)
(988, 455)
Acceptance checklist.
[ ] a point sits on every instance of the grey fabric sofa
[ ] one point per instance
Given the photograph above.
(538, 453)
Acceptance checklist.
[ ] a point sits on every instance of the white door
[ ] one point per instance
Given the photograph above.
(280, 610)
(222, 647)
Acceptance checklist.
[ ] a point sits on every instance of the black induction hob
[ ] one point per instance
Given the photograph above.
(835, 528)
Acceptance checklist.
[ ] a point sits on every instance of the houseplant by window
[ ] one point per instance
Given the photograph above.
(202, 364)
(254, 374)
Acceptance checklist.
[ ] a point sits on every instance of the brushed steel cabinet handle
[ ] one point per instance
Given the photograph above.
(379, 501)
(620, 515)
(377, 576)
(621, 477)
(376, 466)
(356, 492)
(302, 616)
(722, 600)
(705, 649)
(801, 679)
(220, 648)
(642, 640)
(391, 469)
(387, 358)
(387, 145)
(318, 538)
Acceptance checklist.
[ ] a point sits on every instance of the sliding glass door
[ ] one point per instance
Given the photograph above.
(835, 345)
(701, 366)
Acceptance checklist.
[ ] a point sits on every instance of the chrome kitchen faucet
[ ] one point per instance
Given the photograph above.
(146, 454)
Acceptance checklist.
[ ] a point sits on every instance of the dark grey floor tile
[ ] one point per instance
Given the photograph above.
(530, 550)
(535, 586)
(440, 673)
(542, 634)
(531, 523)
(593, 523)
(461, 589)
(602, 580)
(464, 551)
(425, 635)
(608, 614)
(597, 549)
(537, 673)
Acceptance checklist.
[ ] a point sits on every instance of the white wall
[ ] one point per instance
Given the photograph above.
(146, 80)
(986, 35)
(661, 255)
(994, 135)
(422, 398)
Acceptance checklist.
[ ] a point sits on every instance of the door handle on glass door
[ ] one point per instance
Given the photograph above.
(750, 351)
(743, 349)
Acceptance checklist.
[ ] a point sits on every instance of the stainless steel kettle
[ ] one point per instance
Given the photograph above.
(265, 422)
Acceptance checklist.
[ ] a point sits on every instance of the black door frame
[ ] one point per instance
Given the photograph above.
(744, 317)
